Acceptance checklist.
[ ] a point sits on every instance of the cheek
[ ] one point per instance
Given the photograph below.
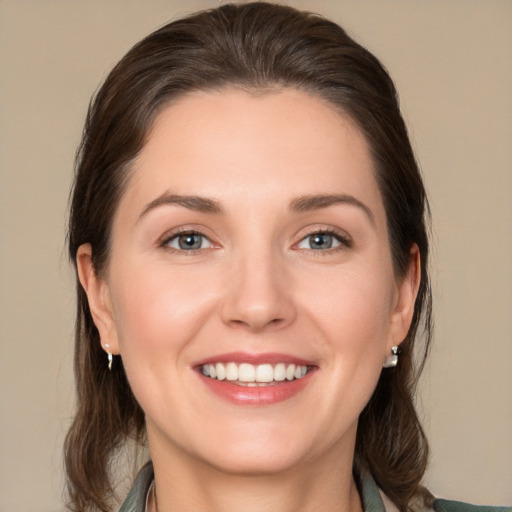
(158, 310)
(353, 315)
(353, 307)
(158, 315)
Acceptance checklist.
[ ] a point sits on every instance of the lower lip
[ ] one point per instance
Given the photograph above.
(256, 395)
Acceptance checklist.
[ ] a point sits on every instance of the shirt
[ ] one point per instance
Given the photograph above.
(372, 498)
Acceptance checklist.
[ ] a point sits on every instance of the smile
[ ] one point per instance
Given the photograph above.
(255, 380)
(245, 374)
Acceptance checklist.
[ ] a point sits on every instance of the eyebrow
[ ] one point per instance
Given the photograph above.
(299, 205)
(196, 203)
(317, 202)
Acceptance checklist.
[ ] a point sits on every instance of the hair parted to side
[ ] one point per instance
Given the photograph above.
(257, 47)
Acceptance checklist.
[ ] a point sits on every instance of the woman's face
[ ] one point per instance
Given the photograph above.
(251, 247)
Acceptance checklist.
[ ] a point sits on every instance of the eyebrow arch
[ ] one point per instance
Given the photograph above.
(196, 203)
(316, 202)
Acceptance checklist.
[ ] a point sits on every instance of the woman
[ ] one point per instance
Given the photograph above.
(248, 229)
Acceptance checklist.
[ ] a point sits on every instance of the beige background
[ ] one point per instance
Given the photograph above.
(452, 62)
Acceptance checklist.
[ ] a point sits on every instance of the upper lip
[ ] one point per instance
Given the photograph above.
(255, 359)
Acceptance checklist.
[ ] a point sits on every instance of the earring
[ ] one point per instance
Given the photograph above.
(392, 360)
(109, 355)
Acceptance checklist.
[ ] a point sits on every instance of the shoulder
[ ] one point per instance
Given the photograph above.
(418, 504)
(441, 505)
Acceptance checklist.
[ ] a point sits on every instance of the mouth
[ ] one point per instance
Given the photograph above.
(255, 380)
(250, 375)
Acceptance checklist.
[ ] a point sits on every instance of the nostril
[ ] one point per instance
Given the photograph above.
(256, 324)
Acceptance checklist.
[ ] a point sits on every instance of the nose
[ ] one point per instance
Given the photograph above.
(259, 295)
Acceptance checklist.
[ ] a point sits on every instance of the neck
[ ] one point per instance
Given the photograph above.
(190, 484)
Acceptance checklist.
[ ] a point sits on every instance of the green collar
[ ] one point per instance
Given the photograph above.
(370, 495)
(136, 499)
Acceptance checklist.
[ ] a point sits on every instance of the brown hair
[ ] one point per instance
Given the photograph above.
(254, 46)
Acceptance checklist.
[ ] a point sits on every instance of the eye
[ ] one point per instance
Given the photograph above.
(188, 241)
(322, 241)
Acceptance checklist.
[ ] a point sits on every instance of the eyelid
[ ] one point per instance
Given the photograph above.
(341, 236)
(165, 239)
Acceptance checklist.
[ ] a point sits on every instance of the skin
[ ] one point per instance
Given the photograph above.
(256, 285)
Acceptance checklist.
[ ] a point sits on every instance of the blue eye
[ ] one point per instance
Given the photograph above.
(188, 241)
(320, 241)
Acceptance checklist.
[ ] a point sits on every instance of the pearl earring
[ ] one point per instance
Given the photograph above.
(109, 356)
(392, 360)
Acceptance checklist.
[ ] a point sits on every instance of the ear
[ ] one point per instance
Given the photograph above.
(98, 296)
(407, 290)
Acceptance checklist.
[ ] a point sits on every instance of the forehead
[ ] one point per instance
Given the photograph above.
(231, 144)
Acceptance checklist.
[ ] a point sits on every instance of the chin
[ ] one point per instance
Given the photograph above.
(259, 451)
(258, 463)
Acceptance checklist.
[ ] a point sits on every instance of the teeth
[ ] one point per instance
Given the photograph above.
(280, 372)
(221, 371)
(231, 371)
(251, 375)
(246, 373)
(264, 373)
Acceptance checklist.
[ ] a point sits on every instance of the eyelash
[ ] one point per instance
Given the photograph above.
(183, 232)
(344, 241)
